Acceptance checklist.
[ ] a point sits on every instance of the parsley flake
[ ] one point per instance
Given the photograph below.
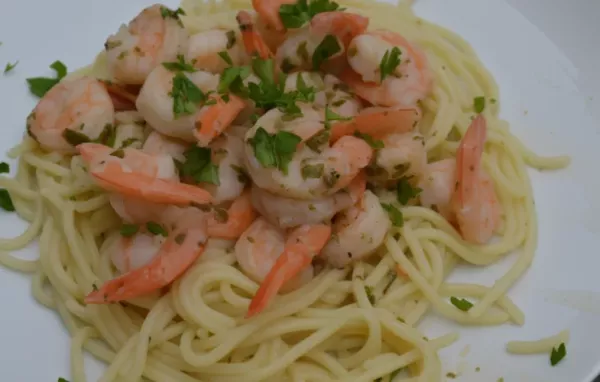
(186, 95)
(156, 229)
(39, 86)
(405, 191)
(461, 304)
(370, 295)
(180, 65)
(374, 143)
(389, 62)
(226, 57)
(4, 168)
(10, 67)
(166, 12)
(298, 14)
(198, 166)
(558, 354)
(327, 48)
(5, 201)
(128, 230)
(274, 150)
(394, 214)
(479, 104)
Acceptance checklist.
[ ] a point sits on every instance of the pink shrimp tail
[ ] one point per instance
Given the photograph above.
(378, 124)
(303, 244)
(176, 255)
(253, 41)
(468, 158)
(89, 151)
(216, 118)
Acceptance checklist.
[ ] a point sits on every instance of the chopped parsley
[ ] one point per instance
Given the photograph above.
(558, 354)
(461, 304)
(5, 201)
(274, 150)
(128, 230)
(168, 13)
(370, 295)
(186, 95)
(232, 80)
(75, 138)
(389, 62)
(4, 168)
(316, 141)
(405, 191)
(156, 229)
(394, 213)
(9, 67)
(479, 104)
(231, 39)
(374, 143)
(333, 116)
(226, 57)
(39, 86)
(313, 171)
(198, 166)
(180, 65)
(327, 48)
(108, 136)
(61, 379)
(298, 14)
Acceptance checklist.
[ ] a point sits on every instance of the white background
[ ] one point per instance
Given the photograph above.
(547, 68)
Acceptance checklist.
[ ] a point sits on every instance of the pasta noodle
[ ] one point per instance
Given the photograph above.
(355, 324)
(544, 345)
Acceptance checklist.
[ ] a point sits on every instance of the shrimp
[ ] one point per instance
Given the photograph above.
(134, 252)
(474, 201)
(231, 223)
(133, 173)
(157, 144)
(288, 213)
(72, 112)
(337, 97)
(152, 264)
(268, 11)
(344, 25)
(129, 130)
(357, 232)
(409, 82)
(257, 250)
(402, 155)
(205, 122)
(377, 122)
(227, 154)
(154, 36)
(204, 48)
(302, 244)
(123, 96)
(254, 43)
(136, 211)
(437, 186)
(314, 170)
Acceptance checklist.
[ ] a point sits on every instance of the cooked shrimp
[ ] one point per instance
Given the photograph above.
(129, 130)
(136, 211)
(157, 144)
(204, 48)
(268, 11)
(337, 97)
(178, 252)
(377, 122)
(408, 83)
(437, 186)
(133, 173)
(357, 232)
(474, 202)
(288, 213)
(134, 252)
(154, 36)
(123, 96)
(315, 169)
(344, 25)
(257, 250)
(72, 112)
(301, 246)
(402, 155)
(231, 223)
(227, 154)
(156, 104)
(254, 44)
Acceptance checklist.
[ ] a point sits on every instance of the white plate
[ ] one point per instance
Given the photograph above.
(550, 92)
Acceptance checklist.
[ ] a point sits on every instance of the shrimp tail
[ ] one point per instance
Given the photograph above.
(303, 244)
(253, 41)
(378, 124)
(343, 25)
(235, 221)
(468, 160)
(176, 255)
(216, 118)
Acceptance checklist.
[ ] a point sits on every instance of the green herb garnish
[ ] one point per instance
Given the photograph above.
(405, 191)
(39, 86)
(10, 66)
(374, 143)
(166, 12)
(461, 304)
(231, 39)
(128, 230)
(180, 65)
(4, 168)
(394, 213)
(198, 166)
(389, 62)
(313, 171)
(327, 48)
(156, 229)
(226, 57)
(5, 201)
(274, 150)
(558, 354)
(186, 95)
(75, 138)
(296, 15)
(479, 104)
(370, 295)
